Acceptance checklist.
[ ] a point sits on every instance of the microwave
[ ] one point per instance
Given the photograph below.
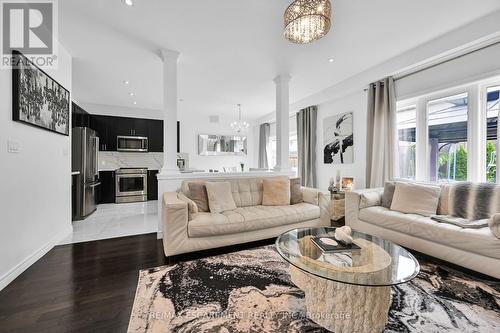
(132, 143)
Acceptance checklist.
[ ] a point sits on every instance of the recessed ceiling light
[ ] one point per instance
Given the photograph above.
(330, 60)
(129, 2)
(181, 100)
(131, 94)
(135, 103)
(125, 82)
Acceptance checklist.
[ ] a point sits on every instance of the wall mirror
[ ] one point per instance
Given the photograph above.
(223, 145)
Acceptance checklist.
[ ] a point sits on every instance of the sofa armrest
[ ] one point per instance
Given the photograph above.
(319, 198)
(311, 195)
(175, 222)
(356, 200)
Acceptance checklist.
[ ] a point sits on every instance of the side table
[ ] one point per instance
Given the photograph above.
(338, 209)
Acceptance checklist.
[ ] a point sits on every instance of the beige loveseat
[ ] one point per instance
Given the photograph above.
(184, 232)
(476, 249)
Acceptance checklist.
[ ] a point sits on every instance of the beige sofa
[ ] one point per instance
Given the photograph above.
(476, 249)
(250, 221)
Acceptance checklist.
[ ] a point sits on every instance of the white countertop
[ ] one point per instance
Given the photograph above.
(74, 173)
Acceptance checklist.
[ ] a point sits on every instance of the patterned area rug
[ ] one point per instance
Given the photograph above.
(251, 291)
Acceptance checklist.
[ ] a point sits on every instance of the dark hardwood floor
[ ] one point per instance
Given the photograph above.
(85, 287)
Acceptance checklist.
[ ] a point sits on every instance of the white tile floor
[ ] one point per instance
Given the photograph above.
(116, 220)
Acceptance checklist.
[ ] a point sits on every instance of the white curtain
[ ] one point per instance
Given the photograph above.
(306, 144)
(381, 145)
(264, 132)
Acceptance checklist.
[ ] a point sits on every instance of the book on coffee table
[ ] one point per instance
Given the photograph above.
(330, 244)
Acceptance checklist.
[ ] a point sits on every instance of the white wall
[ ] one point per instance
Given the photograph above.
(355, 103)
(35, 195)
(121, 111)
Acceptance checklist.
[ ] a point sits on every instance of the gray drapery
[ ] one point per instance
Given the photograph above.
(306, 144)
(265, 130)
(381, 150)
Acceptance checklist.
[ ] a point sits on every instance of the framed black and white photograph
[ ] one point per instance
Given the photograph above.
(338, 139)
(37, 99)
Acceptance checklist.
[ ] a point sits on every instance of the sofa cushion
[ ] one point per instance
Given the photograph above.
(220, 197)
(262, 217)
(416, 198)
(213, 224)
(276, 191)
(250, 218)
(246, 191)
(387, 218)
(480, 241)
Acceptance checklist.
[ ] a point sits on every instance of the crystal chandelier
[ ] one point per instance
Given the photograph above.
(307, 20)
(239, 125)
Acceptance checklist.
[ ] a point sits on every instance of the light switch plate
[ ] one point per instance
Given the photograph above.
(13, 147)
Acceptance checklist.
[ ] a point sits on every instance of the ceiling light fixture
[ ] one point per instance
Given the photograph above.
(131, 94)
(240, 125)
(125, 82)
(307, 20)
(330, 60)
(135, 103)
(129, 2)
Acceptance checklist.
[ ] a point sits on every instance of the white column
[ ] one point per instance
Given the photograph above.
(170, 61)
(282, 123)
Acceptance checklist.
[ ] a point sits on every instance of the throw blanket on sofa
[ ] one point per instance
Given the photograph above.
(474, 201)
(458, 221)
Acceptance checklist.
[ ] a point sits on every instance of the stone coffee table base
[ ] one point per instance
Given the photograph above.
(342, 307)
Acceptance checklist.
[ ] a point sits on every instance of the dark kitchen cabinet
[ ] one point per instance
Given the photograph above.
(79, 117)
(155, 136)
(103, 125)
(108, 128)
(141, 127)
(152, 185)
(107, 191)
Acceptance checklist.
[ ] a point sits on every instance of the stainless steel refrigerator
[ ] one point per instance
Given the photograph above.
(85, 159)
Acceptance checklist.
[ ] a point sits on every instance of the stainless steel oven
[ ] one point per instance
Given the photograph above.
(131, 185)
(132, 143)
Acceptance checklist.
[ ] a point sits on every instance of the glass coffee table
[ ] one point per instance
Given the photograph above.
(346, 291)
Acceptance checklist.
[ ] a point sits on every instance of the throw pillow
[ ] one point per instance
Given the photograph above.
(276, 191)
(389, 188)
(369, 199)
(220, 197)
(198, 193)
(418, 199)
(295, 191)
(494, 224)
(192, 208)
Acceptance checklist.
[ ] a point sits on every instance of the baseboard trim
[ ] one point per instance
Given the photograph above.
(13, 273)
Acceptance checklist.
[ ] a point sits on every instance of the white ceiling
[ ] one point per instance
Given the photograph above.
(232, 49)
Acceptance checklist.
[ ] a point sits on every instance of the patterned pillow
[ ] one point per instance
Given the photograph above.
(295, 191)
(198, 193)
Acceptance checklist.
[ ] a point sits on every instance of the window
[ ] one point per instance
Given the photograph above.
(447, 127)
(407, 125)
(294, 155)
(450, 135)
(492, 109)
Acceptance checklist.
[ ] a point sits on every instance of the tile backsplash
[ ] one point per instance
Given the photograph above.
(110, 160)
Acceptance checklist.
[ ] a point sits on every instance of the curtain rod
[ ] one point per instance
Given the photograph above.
(439, 63)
